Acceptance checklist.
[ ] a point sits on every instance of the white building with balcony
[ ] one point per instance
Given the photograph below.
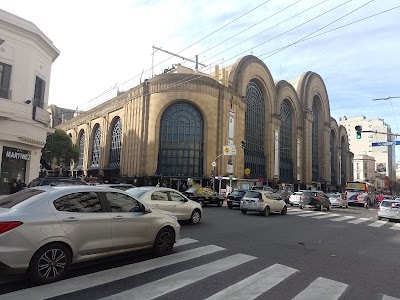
(26, 57)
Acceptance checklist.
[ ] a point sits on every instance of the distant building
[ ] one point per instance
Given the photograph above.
(59, 115)
(364, 168)
(26, 57)
(384, 155)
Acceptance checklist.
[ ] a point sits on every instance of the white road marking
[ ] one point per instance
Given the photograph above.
(359, 220)
(185, 241)
(344, 218)
(326, 216)
(253, 286)
(322, 288)
(377, 224)
(171, 283)
(300, 212)
(314, 213)
(395, 226)
(389, 298)
(91, 280)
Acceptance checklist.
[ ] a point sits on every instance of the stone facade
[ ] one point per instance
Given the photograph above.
(141, 109)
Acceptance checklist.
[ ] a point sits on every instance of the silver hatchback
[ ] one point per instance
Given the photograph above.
(46, 229)
(389, 209)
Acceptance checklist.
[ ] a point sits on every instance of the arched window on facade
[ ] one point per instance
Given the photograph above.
(115, 145)
(333, 161)
(343, 158)
(96, 148)
(254, 156)
(286, 162)
(315, 166)
(81, 151)
(181, 141)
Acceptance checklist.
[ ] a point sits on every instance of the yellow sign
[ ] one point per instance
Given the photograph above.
(227, 150)
(247, 171)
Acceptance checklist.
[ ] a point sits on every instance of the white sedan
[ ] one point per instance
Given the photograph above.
(169, 200)
(338, 200)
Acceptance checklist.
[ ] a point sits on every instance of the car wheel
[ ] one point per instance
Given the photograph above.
(379, 218)
(220, 203)
(50, 263)
(196, 217)
(164, 242)
(321, 207)
(230, 206)
(291, 204)
(266, 211)
(243, 211)
(301, 207)
(284, 210)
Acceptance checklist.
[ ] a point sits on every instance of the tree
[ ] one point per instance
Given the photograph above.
(60, 149)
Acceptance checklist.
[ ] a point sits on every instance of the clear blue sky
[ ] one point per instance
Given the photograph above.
(104, 43)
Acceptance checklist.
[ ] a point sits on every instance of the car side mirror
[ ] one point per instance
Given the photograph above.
(184, 200)
(145, 209)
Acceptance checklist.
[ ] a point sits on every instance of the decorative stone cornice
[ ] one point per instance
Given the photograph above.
(32, 141)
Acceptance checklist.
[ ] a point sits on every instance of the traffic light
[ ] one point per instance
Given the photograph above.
(358, 131)
(243, 144)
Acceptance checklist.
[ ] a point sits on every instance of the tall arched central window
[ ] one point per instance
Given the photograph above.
(286, 162)
(315, 167)
(115, 146)
(332, 150)
(254, 157)
(81, 149)
(96, 148)
(181, 141)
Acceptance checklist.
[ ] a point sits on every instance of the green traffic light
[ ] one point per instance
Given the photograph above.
(358, 135)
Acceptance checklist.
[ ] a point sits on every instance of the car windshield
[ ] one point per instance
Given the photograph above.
(237, 193)
(136, 192)
(14, 199)
(298, 193)
(251, 194)
(386, 203)
(192, 190)
(273, 196)
(309, 194)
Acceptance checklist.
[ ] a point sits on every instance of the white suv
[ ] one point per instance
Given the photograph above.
(262, 201)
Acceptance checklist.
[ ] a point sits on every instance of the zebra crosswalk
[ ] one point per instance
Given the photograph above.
(264, 279)
(340, 218)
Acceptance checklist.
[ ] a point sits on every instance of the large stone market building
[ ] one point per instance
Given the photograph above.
(173, 126)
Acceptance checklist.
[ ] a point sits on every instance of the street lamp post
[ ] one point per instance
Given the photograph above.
(214, 164)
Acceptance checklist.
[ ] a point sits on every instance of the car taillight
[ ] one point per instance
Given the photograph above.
(261, 200)
(301, 197)
(7, 226)
(316, 198)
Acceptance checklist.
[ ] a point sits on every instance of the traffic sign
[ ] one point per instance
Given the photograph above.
(213, 164)
(220, 177)
(229, 150)
(386, 144)
(247, 171)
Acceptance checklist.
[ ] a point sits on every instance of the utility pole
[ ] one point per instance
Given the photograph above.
(174, 54)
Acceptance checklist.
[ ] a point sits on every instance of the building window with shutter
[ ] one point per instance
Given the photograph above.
(38, 99)
(5, 79)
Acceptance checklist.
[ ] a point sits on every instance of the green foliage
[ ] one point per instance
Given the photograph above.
(60, 149)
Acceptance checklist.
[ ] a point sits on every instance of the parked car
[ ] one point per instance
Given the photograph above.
(264, 202)
(234, 198)
(337, 200)
(285, 195)
(294, 199)
(40, 181)
(46, 229)
(315, 199)
(170, 200)
(204, 196)
(389, 209)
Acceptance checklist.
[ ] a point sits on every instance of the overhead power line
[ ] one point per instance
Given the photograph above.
(387, 98)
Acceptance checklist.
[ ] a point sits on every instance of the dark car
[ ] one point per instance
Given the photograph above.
(234, 198)
(204, 196)
(315, 199)
(56, 181)
(285, 195)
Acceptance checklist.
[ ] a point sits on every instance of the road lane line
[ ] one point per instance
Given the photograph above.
(185, 241)
(300, 212)
(389, 298)
(395, 226)
(377, 224)
(253, 286)
(344, 218)
(327, 215)
(322, 288)
(174, 282)
(106, 276)
(359, 220)
(314, 213)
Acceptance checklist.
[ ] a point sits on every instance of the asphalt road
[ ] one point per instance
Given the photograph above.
(342, 254)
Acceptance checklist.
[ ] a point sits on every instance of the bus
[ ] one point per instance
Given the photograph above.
(360, 193)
